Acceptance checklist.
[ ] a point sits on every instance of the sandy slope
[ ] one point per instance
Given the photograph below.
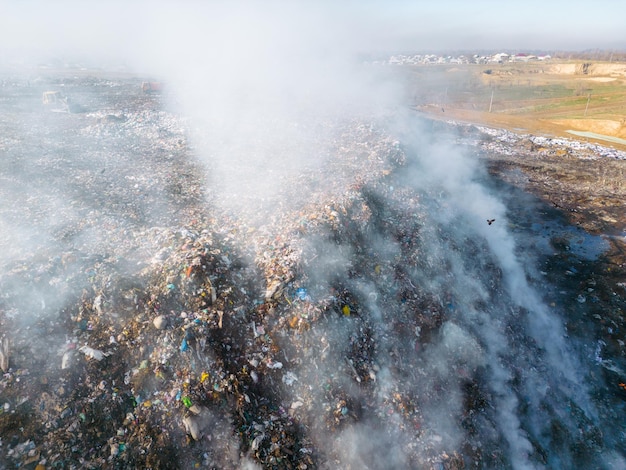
(532, 124)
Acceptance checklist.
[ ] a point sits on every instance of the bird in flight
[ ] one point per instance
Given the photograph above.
(491, 221)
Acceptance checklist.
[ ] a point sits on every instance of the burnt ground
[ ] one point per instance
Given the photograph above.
(146, 327)
(589, 195)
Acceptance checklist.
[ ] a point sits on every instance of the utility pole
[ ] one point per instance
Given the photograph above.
(587, 107)
(491, 101)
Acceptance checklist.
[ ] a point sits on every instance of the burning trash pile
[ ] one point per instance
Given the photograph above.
(204, 356)
(353, 330)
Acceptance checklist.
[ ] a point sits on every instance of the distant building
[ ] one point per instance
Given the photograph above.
(523, 57)
(500, 58)
(434, 59)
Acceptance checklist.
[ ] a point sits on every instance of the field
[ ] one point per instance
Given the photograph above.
(544, 99)
(539, 98)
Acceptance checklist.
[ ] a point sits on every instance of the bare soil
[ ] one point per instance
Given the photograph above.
(539, 98)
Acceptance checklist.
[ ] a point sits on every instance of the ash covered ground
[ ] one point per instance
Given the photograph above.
(401, 302)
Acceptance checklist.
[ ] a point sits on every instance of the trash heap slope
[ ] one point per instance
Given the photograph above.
(148, 325)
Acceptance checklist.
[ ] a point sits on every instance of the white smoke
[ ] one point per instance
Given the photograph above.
(266, 86)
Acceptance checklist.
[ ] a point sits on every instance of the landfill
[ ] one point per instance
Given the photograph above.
(145, 323)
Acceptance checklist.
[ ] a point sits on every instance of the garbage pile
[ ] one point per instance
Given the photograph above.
(157, 316)
(154, 329)
(506, 142)
(203, 351)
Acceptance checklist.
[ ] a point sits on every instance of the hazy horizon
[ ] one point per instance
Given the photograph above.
(125, 31)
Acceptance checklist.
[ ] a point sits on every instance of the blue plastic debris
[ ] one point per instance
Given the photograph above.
(184, 346)
(302, 294)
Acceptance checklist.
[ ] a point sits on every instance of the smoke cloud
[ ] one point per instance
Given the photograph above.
(429, 339)
(285, 77)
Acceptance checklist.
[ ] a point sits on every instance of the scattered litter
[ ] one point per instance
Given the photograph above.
(160, 322)
(289, 378)
(197, 421)
(4, 354)
(93, 353)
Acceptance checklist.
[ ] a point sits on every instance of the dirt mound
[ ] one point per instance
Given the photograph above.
(587, 68)
(599, 126)
(614, 70)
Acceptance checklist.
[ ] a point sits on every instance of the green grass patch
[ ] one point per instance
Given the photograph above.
(517, 89)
